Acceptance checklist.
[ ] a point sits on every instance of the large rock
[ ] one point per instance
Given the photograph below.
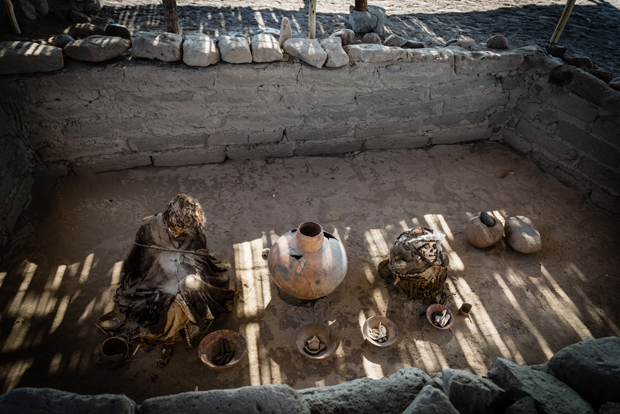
(370, 53)
(160, 46)
(609, 408)
(522, 235)
(29, 57)
(42, 6)
(394, 40)
(235, 49)
(497, 42)
(200, 50)
(346, 35)
(265, 48)
(308, 50)
(390, 394)
(525, 405)
(472, 394)
(371, 20)
(82, 30)
(47, 400)
(336, 56)
(117, 30)
(25, 9)
(431, 400)
(551, 395)
(372, 38)
(592, 368)
(97, 48)
(275, 399)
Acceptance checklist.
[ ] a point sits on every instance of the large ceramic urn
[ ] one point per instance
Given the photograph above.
(307, 263)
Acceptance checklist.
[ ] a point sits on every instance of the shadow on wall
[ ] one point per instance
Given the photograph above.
(593, 24)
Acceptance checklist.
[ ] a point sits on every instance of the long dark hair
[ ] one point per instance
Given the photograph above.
(185, 212)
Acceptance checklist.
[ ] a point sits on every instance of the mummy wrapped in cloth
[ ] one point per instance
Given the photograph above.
(171, 288)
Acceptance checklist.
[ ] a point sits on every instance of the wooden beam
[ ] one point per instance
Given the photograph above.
(563, 19)
(312, 19)
(171, 15)
(361, 5)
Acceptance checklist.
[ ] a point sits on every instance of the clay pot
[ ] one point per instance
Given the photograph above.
(482, 236)
(307, 263)
(465, 309)
(113, 350)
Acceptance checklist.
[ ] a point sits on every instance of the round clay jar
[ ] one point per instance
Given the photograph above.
(482, 236)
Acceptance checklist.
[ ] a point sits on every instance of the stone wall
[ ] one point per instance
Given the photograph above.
(16, 181)
(568, 123)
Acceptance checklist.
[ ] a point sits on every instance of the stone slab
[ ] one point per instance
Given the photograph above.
(29, 57)
(161, 46)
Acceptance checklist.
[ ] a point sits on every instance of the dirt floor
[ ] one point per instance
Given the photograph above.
(64, 260)
(593, 29)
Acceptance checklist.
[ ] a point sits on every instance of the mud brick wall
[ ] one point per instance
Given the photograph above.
(568, 123)
(89, 118)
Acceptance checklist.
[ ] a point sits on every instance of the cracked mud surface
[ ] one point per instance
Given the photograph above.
(58, 277)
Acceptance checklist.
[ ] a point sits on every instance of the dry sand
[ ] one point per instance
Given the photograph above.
(65, 257)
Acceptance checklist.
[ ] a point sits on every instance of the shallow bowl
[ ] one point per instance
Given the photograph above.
(436, 307)
(325, 336)
(208, 347)
(373, 323)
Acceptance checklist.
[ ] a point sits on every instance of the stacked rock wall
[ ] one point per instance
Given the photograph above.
(579, 379)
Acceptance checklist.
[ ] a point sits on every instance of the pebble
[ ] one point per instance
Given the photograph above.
(522, 235)
(62, 39)
(118, 30)
(82, 30)
(487, 219)
(372, 38)
(394, 40)
(497, 42)
(26, 10)
(78, 17)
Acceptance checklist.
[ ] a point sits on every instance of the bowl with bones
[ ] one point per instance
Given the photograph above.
(380, 331)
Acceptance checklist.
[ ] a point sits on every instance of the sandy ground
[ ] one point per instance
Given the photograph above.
(593, 29)
(65, 257)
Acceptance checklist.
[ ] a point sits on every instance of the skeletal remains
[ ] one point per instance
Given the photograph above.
(379, 334)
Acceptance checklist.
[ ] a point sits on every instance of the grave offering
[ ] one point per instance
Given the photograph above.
(316, 341)
(417, 265)
(522, 235)
(484, 230)
(307, 263)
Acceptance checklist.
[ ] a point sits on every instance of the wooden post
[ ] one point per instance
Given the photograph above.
(361, 5)
(312, 19)
(563, 19)
(11, 13)
(172, 18)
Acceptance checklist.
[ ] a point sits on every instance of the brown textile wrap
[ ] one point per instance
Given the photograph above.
(164, 291)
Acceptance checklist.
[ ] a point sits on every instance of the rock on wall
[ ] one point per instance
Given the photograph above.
(568, 123)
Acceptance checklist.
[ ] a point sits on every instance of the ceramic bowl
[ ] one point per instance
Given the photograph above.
(373, 323)
(436, 307)
(208, 347)
(325, 336)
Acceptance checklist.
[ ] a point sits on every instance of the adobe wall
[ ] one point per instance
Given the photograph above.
(92, 118)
